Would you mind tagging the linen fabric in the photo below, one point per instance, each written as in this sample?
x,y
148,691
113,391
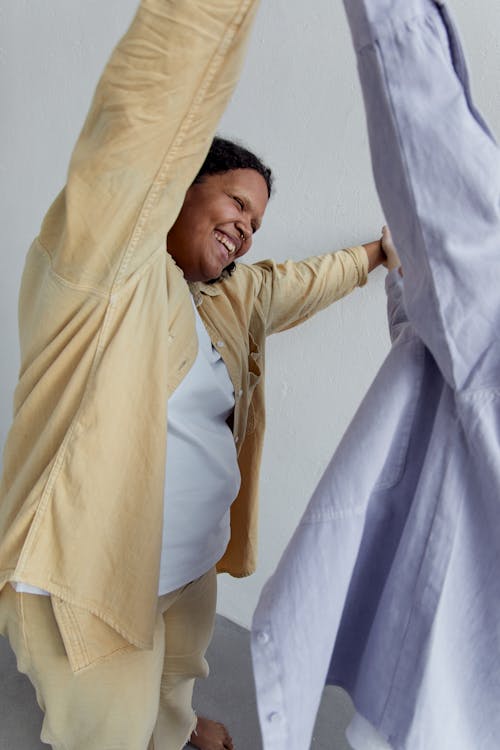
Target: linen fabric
x,y
131,701
389,586
107,333
202,471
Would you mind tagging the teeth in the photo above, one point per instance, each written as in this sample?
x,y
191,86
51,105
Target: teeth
x,y
228,244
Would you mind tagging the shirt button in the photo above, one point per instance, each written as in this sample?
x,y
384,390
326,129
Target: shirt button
x,y
274,718
262,637
170,338
240,393
220,344
236,438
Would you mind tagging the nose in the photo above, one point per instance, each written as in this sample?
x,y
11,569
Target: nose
x,y
245,232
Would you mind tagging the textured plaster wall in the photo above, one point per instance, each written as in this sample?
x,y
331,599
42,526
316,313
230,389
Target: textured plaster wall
x,y
299,105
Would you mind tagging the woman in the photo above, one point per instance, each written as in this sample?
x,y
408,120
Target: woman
x,y
110,546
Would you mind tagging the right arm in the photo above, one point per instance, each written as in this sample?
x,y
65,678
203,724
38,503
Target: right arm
x,y
150,125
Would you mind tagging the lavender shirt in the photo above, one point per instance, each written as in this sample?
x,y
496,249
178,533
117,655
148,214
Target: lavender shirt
x,y
390,585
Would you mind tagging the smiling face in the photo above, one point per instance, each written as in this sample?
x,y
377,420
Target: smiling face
x,y
216,223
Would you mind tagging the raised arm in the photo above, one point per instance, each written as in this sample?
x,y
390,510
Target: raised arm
x,y
149,127
437,170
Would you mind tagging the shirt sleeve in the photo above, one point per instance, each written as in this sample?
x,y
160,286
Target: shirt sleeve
x,y
396,310
437,170
293,291
148,130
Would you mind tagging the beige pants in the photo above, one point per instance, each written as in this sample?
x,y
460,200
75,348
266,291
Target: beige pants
x,y
138,700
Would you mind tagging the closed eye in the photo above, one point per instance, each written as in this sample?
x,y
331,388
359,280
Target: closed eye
x,y
241,203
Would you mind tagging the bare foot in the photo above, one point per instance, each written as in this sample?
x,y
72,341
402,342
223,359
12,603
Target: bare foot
x,y
210,735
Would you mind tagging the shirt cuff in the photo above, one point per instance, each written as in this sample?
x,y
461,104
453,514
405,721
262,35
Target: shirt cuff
x,y
360,259
393,279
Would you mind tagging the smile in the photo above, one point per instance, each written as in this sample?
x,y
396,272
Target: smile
x,y
226,241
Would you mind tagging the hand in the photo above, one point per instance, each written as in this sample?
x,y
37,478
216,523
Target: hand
x,y
391,254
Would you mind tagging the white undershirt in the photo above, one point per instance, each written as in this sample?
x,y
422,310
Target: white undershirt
x,y
25,588
202,476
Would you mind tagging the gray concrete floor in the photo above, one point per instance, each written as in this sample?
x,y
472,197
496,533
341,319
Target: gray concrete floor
x,y
228,695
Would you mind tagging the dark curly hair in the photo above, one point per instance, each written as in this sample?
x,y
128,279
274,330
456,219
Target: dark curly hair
x,y
225,155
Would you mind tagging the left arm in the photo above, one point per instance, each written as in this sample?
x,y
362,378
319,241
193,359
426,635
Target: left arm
x,y
291,292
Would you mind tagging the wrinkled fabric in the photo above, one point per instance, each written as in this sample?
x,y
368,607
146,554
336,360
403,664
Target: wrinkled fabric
x,y
107,333
201,470
121,703
390,586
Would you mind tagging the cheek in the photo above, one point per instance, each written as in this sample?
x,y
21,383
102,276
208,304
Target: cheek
x,y
194,218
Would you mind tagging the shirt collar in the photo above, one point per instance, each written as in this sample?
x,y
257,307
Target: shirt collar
x,y
198,288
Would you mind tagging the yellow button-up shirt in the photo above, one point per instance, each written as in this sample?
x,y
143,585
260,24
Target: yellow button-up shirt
x,y
107,332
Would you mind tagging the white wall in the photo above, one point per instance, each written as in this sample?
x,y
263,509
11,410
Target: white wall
x,y
299,106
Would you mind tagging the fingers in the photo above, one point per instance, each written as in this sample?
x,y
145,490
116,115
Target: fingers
x,y
392,257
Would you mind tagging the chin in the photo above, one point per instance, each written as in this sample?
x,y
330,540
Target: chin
x,y
224,274
211,272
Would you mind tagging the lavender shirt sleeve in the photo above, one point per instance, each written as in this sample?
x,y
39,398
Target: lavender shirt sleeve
x,y
396,310
438,179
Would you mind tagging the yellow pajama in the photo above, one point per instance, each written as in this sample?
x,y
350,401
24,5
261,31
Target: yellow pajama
x,y
129,699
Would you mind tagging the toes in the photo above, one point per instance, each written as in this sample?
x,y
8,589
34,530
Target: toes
x,y
211,735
